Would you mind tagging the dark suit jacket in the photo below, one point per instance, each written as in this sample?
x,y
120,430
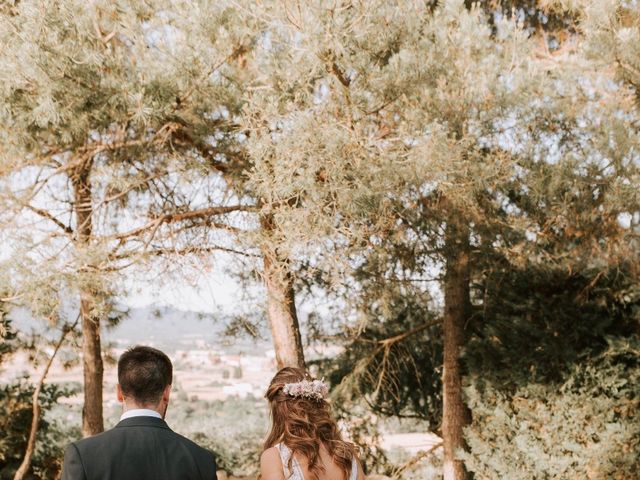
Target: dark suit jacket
x,y
138,448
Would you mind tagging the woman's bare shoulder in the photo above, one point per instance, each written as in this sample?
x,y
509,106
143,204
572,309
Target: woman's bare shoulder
x,y
271,465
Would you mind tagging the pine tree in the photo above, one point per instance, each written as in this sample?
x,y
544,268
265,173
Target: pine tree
x,y
99,99
443,131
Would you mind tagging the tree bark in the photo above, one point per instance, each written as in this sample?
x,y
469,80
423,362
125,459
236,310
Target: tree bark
x,y
456,313
92,420
281,306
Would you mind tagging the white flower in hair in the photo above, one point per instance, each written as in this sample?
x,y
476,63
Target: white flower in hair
x,y
314,389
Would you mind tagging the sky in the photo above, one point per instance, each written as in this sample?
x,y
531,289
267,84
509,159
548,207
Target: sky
x,y
210,291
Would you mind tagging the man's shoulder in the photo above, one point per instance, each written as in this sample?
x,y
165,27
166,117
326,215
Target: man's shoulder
x,y
110,438
201,454
93,441
124,444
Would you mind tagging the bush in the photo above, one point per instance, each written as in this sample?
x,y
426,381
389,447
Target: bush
x,y
587,427
233,429
16,414
15,423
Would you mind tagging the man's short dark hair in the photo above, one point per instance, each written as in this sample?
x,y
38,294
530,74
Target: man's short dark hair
x,y
144,373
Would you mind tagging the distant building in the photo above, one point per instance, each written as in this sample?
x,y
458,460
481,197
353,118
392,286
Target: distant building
x,y
197,357
254,364
241,390
231,360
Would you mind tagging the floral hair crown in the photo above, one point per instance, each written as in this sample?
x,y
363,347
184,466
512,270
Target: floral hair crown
x,y
313,389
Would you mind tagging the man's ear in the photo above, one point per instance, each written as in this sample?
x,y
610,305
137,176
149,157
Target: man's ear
x,y
119,393
166,393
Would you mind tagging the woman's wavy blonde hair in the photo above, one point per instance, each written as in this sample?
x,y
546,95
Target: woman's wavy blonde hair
x,y
303,424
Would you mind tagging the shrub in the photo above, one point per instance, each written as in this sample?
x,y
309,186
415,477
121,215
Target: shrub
x,y
586,427
15,423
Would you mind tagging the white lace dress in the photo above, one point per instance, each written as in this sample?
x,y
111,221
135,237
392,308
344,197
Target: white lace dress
x,y
296,474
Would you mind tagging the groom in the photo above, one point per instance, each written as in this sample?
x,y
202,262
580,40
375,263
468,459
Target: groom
x,y
141,446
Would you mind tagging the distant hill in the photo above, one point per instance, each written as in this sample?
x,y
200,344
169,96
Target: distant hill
x,y
165,327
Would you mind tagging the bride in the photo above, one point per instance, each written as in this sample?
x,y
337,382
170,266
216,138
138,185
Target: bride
x,y
304,442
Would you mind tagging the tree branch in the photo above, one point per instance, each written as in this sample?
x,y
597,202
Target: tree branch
x,y
196,250
340,75
182,216
238,51
421,455
158,252
89,151
43,213
398,338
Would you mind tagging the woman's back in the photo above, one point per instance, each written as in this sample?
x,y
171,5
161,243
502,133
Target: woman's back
x,y
302,428
275,466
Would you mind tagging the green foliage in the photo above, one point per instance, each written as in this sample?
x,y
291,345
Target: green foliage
x,y
394,363
8,337
136,99
587,426
534,324
15,423
233,429
363,428
553,374
16,414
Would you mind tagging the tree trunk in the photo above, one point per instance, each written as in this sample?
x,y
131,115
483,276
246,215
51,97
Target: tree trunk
x,y
456,313
281,307
92,421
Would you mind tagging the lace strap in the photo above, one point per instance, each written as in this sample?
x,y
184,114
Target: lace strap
x,y
354,469
285,455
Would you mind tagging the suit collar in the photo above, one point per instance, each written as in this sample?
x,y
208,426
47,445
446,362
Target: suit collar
x,y
142,422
